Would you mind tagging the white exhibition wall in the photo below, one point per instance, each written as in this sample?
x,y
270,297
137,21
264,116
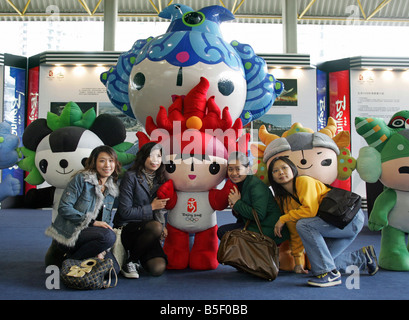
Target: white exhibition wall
x,y
80,84
60,84
376,94
298,103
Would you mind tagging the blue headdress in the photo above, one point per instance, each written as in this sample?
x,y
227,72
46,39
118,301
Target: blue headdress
x,y
192,37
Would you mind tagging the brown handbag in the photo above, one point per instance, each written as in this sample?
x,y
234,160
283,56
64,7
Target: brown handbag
x,y
250,251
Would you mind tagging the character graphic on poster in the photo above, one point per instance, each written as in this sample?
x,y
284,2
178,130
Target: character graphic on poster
x,y
9,156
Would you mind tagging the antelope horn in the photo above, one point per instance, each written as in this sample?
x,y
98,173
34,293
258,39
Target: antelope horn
x,y
330,129
265,136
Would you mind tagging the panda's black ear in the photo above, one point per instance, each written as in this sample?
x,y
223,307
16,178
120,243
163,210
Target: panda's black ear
x,y
34,133
109,129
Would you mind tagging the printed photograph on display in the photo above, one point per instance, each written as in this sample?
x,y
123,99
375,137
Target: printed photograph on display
x,y
275,123
289,97
57,107
131,125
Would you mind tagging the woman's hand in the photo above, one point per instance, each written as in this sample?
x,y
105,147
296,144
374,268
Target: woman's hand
x,y
159,203
102,224
234,196
277,228
164,234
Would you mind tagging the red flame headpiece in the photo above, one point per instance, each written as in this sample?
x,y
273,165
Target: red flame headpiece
x,y
195,112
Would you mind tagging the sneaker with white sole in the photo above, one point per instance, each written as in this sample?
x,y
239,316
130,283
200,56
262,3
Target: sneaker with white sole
x,y
328,279
371,260
129,270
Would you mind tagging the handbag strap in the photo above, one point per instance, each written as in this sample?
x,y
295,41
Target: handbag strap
x,y
107,283
256,218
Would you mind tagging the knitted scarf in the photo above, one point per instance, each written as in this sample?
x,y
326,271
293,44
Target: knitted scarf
x,y
149,178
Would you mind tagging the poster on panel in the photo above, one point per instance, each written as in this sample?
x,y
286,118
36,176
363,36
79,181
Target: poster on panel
x,y
339,109
14,111
376,94
322,107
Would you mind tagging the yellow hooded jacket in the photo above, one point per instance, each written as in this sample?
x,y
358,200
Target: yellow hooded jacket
x,y
310,192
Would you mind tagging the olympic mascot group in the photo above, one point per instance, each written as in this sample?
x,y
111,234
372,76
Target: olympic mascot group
x,y
194,92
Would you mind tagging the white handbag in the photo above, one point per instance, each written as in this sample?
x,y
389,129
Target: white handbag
x,y
118,250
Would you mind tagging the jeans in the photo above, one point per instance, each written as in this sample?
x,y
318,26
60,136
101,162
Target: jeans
x,y
91,242
325,244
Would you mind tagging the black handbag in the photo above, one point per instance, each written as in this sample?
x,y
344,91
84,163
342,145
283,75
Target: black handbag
x,y
88,274
339,207
250,251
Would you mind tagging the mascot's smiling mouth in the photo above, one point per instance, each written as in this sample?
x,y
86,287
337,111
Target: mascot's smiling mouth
x,y
192,176
64,171
404,169
306,168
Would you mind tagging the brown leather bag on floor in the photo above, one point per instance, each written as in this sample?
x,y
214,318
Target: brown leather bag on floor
x,y
250,251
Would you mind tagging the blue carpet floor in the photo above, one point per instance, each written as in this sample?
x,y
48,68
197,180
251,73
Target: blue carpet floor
x,y
23,277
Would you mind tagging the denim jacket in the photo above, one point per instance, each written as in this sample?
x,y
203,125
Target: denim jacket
x,y
80,203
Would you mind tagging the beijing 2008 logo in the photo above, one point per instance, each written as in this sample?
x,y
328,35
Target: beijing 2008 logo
x,y
191,205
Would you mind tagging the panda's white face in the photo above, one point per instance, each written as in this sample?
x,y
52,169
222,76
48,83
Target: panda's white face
x,y
58,168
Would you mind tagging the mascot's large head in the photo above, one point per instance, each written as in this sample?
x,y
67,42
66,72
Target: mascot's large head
x,y
196,138
375,131
157,68
56,148
316,154
387,156
8,146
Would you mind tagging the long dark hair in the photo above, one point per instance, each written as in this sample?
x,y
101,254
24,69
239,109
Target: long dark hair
x,y
144,153
91,162
279,192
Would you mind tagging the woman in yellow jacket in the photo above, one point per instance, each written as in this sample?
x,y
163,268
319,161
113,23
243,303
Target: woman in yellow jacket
x,y
299,198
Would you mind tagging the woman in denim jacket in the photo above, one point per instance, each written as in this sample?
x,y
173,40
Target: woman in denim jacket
x,y
81,228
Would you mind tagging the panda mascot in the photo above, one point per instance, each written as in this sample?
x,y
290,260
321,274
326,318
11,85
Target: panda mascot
x,y
56,148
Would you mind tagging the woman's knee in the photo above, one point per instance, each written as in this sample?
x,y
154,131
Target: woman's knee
x,y
108,238
156,266
301,225
155,228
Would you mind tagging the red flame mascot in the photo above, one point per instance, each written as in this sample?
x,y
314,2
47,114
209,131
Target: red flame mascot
x,y
196,138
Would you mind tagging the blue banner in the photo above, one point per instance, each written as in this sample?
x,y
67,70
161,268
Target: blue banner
x,y
322,100
14,111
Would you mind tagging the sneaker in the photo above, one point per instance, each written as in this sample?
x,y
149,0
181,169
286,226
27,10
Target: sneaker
x,y
328,279
129,270
371,260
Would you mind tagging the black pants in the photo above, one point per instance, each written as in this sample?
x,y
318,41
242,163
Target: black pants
x,y
142,240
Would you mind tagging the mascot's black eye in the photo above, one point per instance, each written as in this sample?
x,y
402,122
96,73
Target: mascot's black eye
x,y
84,161
225,86
170,167
43,165
193,18
138,81
397,122
326,162
214,168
